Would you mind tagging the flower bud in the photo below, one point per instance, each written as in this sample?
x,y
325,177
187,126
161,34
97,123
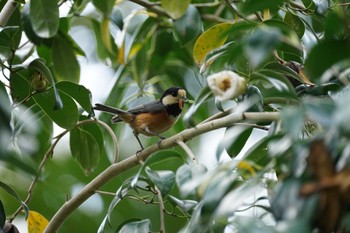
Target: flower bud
x,y
39,82
226,84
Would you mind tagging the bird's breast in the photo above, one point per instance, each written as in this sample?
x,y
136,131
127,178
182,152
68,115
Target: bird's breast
x,y
154,122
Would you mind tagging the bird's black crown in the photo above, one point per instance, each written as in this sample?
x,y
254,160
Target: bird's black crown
x,y
171,91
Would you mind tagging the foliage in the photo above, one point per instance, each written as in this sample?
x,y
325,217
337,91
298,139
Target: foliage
x,y
294,57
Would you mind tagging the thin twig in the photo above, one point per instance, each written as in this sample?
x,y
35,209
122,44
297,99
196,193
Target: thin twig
x,y
161,210
49,154
151,7
187,150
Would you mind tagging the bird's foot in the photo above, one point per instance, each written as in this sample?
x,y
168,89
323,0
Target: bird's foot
x,y
161,138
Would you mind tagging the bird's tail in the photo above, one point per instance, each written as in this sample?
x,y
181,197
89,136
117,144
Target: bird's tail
x,y
108,109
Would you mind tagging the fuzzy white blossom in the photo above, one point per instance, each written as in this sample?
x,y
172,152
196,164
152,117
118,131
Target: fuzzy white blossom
x,y
226,84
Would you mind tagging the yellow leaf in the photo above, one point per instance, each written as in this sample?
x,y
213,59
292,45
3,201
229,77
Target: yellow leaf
x,y
36,222
211,39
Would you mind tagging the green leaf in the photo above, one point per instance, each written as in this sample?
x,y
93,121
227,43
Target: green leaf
x,y
202,96
2,216
188,177
139,37
273,85
293,121
175,9
234,140
44,16
66,117
9,41
324,55
155,158
209,40
164,180
189,26
78,92
39,66
65,64
85,149
14,194
143,226
320,110
260,44
295,23
185,205
259,153
20,85
105,6
21,1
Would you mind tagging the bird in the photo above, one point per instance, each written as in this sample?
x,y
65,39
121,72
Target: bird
x,y
151,119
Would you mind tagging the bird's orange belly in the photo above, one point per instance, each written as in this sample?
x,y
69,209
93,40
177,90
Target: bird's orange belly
x,y
148,123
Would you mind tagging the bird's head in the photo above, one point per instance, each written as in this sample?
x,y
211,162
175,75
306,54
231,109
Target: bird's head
x,y
174,95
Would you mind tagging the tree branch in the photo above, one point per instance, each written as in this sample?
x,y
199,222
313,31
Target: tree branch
x,y
117,168
7,11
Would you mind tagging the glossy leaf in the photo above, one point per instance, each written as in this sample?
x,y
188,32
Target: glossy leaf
x,y
155,158
36,222
66,117
295,23
133,44
14,194
78,92
234,140
85,149
202,96
189,177
260,44
9,40
164,180
38,65
65,64
259,153
251,6
2,216
185,205
336,50
209,40
105,6
101,49
105,34
143,226
189,26
293,121
44,16
175,9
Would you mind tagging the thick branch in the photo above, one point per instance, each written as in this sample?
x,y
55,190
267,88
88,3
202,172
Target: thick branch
x,y
117,168
7,11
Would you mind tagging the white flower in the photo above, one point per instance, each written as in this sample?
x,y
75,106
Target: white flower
x,y
226,84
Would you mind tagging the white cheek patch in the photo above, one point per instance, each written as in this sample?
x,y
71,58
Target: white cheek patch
x,y
169,99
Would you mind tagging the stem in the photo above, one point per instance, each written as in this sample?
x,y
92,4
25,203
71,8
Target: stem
x,y
49,153
187,150
117,168
161,210
7,11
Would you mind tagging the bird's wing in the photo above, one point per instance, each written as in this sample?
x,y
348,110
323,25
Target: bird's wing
x,y
152,107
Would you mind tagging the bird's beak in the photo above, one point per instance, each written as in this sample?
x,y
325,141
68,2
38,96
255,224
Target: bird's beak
x,y
182,101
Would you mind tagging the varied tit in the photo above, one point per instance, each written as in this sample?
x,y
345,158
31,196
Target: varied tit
x,y
153,118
